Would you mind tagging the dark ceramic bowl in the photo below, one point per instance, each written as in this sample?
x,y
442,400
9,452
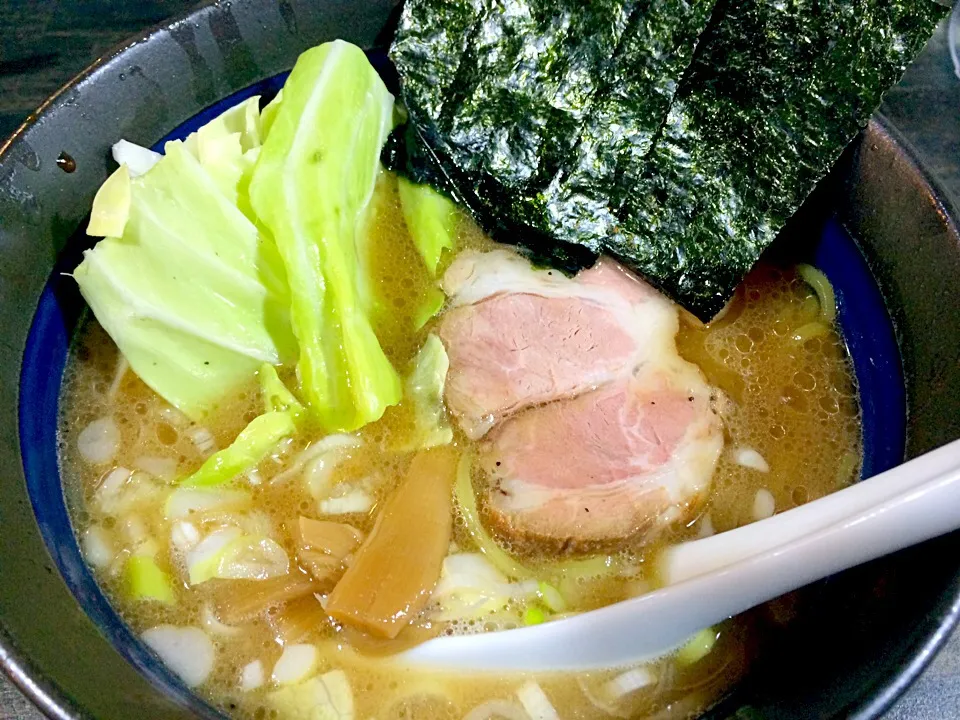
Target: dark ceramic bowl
x,y
860,637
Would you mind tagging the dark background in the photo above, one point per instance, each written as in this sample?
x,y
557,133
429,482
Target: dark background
x,y
44,43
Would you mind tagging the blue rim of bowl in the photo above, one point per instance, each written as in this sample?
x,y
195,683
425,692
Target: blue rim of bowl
x,y
44,693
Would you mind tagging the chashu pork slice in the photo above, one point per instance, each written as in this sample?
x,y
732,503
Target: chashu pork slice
x,y
623,461
518,337
594,429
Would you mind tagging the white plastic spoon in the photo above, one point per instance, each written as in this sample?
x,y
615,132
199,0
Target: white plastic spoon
x,y
709,580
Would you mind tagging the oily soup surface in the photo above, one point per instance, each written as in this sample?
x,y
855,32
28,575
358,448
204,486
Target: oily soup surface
x,y
789,399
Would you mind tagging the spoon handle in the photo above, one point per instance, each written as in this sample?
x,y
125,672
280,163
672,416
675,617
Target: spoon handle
x,y
691,559
901,507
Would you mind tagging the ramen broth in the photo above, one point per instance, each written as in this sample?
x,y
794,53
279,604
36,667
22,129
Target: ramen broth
x,y
791,426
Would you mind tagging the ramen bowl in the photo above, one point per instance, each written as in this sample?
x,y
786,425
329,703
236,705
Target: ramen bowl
x,y
879,226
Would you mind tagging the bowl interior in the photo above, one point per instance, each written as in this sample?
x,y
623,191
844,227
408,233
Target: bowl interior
x,y
863,318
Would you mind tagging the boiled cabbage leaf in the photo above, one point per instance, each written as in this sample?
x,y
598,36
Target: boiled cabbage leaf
x,y
192,293
311,187
111,206
139,161
430,307
245,453
431,219
227,148
269,113
424,392
277,396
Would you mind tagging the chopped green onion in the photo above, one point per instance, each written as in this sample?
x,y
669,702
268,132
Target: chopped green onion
x,y
534,616
551,597
146,581
697,647
185,501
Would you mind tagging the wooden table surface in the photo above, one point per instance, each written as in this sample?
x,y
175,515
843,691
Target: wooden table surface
x,y
43,43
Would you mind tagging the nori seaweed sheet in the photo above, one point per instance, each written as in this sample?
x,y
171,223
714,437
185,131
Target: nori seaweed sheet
x,y
510,128
654,53
430,43
755,125
508,110
677,136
